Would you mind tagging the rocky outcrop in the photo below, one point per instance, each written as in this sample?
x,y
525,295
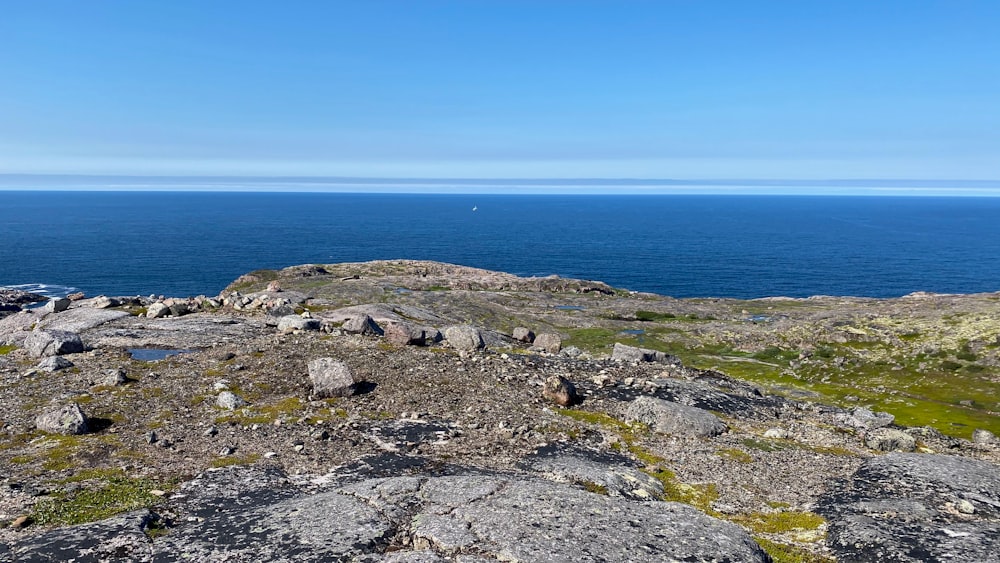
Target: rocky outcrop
x,y
251,514
52,343
916,507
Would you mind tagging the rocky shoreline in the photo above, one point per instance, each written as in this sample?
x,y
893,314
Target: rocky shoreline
x,y
418,411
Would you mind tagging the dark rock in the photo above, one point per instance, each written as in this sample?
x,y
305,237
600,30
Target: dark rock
x,y
674,418
56,305
67,420
403,334
615,473
331,378
896,508
53,342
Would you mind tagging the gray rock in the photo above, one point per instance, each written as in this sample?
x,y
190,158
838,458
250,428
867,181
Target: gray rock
x,y
275,314
56,305
157,310
674,418
115,377
896,508
981,436
53,342
229,400
54,363
178,309
548,342
331,378
362,324
80,319
615,473
67,420
120,538
624,353
522,334
294,322
865,419
464,337
104,302
890,440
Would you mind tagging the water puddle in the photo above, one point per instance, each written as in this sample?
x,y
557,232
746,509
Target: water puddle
x,y
569,307
634,331
154,354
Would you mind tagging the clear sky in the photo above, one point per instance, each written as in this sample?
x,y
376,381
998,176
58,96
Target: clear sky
x,y
502,88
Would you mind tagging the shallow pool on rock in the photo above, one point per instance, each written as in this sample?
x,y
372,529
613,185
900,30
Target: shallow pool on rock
x,y
154,354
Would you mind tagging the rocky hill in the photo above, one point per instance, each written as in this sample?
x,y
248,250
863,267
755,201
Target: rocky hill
x,y
418,411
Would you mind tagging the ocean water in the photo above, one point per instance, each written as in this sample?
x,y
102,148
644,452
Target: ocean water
x,y
184,243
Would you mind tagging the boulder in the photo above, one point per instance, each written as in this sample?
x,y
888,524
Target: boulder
x,y
403,334
331,378
522,334
52,343
295,322
981,436
178,309
54,363
865,419
907,507
68,420
624,353
115,377
890,440
464,337
229,401
276,313
674,418
56,305
559,390
362,324
548,342
157,310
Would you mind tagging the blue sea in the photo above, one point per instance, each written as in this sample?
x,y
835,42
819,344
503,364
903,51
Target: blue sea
x,y
190,243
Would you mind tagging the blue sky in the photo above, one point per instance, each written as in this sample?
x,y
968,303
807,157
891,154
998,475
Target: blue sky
x,y
502,89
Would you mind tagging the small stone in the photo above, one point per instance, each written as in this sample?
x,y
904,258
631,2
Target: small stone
x,y
157,492
229,400
269,455
779,433
274,286
212,431
228,450
559,390
151,437
363,325
982,436
890,440
299,447
965,507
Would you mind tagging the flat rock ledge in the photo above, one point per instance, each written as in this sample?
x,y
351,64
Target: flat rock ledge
x,y
255,514
905,507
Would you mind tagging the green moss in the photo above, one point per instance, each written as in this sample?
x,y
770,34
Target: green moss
x,y
653,316
21,459
437,288
782,553
114,496
7,349
734,454
227,461
596,488
779,522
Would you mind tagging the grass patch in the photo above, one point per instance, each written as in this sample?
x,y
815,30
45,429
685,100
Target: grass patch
x,y
7,349
734,454
116,495
227,461
595,488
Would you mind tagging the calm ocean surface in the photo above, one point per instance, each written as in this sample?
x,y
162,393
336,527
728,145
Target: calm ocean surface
x,y
185,243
